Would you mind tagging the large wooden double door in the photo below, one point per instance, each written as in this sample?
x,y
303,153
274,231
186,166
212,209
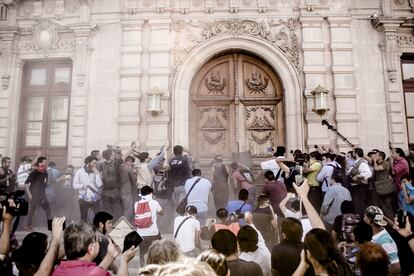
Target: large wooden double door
x,y
44,111
236,105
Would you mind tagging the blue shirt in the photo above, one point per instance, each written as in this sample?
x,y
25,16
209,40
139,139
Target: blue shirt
x,y
235,205
410,192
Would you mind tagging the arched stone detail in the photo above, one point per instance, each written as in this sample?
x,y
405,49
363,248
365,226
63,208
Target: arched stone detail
x,y
200,54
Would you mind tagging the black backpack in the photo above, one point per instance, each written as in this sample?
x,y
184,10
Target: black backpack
x,y
160,182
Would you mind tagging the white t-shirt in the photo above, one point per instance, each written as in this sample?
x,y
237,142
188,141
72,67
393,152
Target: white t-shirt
x,y
199,195
271,165
186,235
155,208
261,257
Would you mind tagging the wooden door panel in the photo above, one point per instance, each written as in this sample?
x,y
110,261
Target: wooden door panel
x,y
44,112
231,116
213,131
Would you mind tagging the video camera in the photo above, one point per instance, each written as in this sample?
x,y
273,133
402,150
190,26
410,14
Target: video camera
x,y
22,206
234,216
301,158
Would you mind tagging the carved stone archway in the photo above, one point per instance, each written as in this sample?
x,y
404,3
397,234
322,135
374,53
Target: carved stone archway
x,y
199,55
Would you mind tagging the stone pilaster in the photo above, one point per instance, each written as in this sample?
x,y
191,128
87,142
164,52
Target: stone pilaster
x,y
130,92
79,96
158,76
8,68
314,69
344,84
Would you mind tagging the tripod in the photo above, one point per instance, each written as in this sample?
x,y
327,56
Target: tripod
x,y
334,130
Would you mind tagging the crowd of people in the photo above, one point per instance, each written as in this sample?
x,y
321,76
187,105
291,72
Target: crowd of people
x,y
322,213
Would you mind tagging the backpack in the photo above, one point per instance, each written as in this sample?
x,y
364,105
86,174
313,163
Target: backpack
x,y
247,174
159,182
336,171
349,221
110,176
143,216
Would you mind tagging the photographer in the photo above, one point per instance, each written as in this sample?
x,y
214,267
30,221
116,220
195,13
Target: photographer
x,y
8,179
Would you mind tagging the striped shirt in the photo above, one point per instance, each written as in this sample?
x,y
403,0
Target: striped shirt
x,y
384,239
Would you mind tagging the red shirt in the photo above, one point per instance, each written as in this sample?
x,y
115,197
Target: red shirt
x,y
401,168
79,268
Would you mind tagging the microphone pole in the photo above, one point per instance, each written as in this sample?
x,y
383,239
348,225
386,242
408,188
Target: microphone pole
x,y
334,130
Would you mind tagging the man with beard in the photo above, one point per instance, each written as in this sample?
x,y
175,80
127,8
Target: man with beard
x,y
103,225
36,191
7,176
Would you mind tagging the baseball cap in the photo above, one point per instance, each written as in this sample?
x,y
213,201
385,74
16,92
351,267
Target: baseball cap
x,y
376,215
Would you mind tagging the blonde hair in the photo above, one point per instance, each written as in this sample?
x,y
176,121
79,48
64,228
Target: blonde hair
x,y
216,260
163,251
190,267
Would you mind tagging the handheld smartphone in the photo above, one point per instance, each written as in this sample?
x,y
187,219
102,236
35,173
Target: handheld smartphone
x,y
269,149
49,225
401,218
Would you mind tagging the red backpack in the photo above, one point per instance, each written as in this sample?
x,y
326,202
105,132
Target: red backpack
x,y
143,216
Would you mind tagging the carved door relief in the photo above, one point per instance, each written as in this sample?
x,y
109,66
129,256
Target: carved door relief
x,y
236,106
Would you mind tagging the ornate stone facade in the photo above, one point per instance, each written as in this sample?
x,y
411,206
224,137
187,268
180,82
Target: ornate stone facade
x,y
122,49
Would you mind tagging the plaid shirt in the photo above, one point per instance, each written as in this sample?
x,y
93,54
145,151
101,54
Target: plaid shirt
x,y
400,169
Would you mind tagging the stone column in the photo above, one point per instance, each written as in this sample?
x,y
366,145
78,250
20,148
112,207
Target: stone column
x,y
315,70
344,84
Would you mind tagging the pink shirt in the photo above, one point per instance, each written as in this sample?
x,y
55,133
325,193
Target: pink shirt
x,y
244,184
79,268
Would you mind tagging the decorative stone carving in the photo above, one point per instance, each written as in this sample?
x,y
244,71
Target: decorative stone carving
x,y
405,39
215,84
37,8
213,122
256,84
399,2
209,6
45,35
261,6
411,2
260,126
7,44
280,33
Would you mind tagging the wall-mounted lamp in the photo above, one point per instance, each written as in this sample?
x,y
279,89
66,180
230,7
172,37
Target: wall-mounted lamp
x,y
154,101
320,100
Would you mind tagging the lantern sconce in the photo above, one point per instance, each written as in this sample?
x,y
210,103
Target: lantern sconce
x,y
154,101
320,100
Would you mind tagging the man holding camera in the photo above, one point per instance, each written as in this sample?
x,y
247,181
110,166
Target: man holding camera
x,y
7,176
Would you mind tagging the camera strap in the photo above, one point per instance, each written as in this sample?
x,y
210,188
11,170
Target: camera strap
x,y
179,226
15,224
238,211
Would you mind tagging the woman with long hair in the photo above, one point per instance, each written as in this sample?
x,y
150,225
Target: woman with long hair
x,y
321,253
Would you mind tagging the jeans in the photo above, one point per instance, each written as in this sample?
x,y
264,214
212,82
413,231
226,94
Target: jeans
x,y
165,222
84,207
111,203
359,194
33,206
127,207
179,194
202,218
